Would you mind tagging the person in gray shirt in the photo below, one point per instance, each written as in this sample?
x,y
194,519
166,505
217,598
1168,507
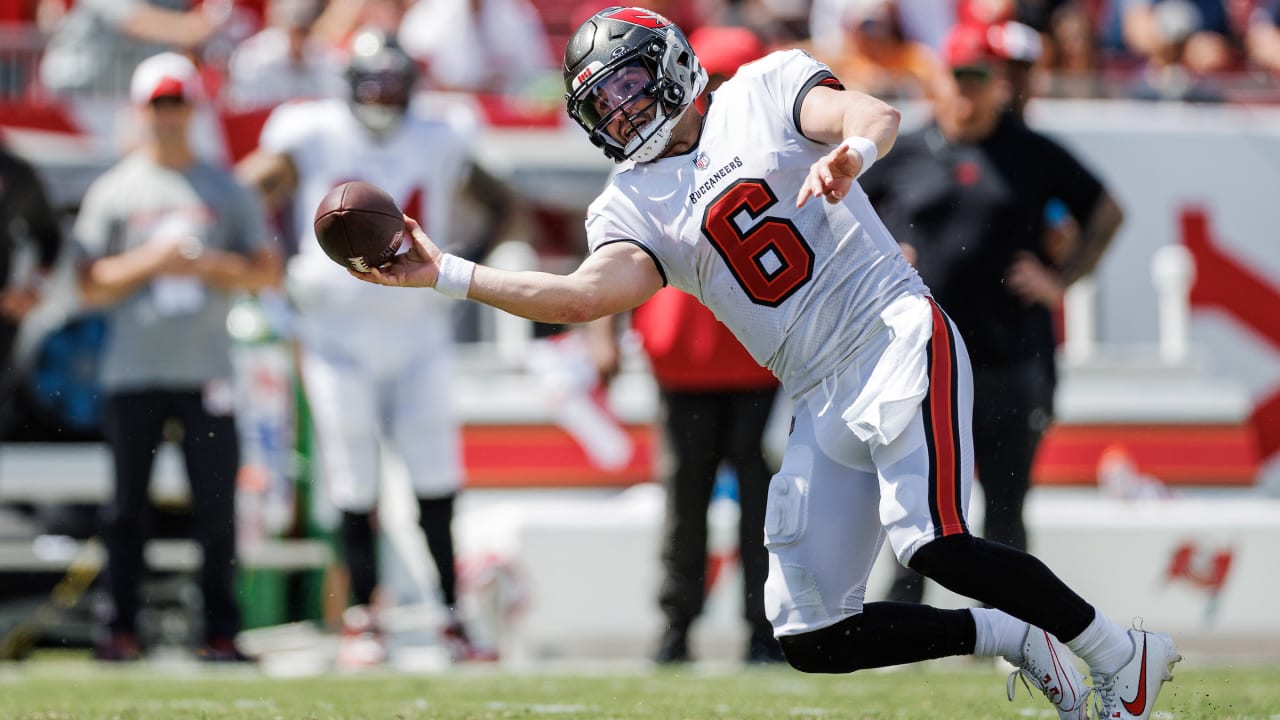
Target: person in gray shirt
x,y
164,240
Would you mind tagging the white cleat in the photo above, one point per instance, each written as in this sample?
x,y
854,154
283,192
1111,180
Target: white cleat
x,y
361,645
1048,666
1130,693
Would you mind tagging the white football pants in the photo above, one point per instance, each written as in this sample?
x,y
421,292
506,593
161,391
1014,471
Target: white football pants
x,y
838,496
369,382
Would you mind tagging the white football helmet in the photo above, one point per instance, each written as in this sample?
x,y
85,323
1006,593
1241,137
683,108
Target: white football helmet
x,y
629,76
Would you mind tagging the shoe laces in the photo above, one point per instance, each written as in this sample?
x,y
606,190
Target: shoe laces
x,y
1100,698
1029,678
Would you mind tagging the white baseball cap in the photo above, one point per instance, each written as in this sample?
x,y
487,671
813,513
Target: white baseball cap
x,y
165,75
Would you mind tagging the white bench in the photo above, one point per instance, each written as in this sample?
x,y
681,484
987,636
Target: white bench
x,y
55,473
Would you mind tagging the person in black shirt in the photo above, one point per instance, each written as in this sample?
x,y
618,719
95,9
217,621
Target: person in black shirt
x,y
25,217
966,197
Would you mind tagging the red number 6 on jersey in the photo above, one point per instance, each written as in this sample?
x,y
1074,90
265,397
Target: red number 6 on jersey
x,y
770,260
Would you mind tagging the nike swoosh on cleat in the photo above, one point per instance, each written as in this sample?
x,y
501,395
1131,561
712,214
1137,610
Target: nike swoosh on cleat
x,y
1139,701
1057,666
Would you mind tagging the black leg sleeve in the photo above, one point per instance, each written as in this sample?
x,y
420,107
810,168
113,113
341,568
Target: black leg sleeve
x,y
435,515
884,634
1006,579
361,555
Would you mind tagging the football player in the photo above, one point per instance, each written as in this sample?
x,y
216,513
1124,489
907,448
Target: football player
x,y
753,207
365,378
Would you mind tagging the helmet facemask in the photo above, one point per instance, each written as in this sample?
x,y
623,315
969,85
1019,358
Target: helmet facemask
x,y
379,100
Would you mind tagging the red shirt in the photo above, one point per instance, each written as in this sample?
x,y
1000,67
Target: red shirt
x,y
689,349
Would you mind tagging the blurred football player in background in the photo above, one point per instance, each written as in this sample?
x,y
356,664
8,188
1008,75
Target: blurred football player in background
x,y
763,221
368,380
164,239
716,403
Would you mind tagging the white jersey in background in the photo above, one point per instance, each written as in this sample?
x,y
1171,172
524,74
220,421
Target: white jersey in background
x,y
421,164
377,361
721,224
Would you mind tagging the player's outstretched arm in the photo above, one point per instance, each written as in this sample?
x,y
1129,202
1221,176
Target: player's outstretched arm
x,y
864,127
616,278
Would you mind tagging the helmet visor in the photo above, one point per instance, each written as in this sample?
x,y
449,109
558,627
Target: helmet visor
x,y
382,88
619,104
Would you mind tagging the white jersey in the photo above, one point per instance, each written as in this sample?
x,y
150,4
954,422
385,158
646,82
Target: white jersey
x,y
798,287
421,164
378,360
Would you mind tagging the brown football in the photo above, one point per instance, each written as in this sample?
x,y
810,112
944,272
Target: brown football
x,y
359,226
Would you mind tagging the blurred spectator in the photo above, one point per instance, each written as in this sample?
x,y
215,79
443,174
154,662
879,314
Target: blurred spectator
x,y
1192,33
98,43
1064,42
342,19
923,21
966,197
1262,40
26,222
1181,45
283,62
1073,45
489,46
778,23
688,16
1179,51
716,403
723,49
367,380
877,57
165,239
1020,47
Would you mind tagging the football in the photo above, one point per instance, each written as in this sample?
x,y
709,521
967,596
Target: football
x,y
359,226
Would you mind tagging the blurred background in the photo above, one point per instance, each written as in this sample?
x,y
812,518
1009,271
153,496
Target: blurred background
x,y
1160,474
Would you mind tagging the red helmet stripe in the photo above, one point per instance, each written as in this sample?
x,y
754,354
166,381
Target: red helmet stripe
x,y
638,16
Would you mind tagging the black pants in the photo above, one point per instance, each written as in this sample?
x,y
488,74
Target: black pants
x,y
133,425
704,429
8,372
1012,407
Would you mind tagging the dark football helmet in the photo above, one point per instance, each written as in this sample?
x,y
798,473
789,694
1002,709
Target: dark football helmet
x,y
382,78
629,75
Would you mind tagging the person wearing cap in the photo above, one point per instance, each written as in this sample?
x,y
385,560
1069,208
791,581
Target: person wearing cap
x,y
965,196
716,404
164,239
1020,47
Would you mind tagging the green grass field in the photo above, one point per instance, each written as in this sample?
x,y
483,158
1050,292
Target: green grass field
x,y
74,689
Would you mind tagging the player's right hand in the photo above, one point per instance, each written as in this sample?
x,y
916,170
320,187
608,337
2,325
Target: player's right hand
x,y
419,267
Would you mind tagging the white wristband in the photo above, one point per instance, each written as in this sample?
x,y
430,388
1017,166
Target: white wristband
x,y
866,148
455,276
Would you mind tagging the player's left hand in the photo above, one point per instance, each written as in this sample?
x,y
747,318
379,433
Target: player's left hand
x,y
419,267
831,176
1033,282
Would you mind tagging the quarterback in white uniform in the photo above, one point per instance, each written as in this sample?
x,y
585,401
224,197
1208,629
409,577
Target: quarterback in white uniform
x,y
753,208
366,377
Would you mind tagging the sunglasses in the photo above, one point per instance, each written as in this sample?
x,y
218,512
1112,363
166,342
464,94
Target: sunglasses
x,y
168,101
972,72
